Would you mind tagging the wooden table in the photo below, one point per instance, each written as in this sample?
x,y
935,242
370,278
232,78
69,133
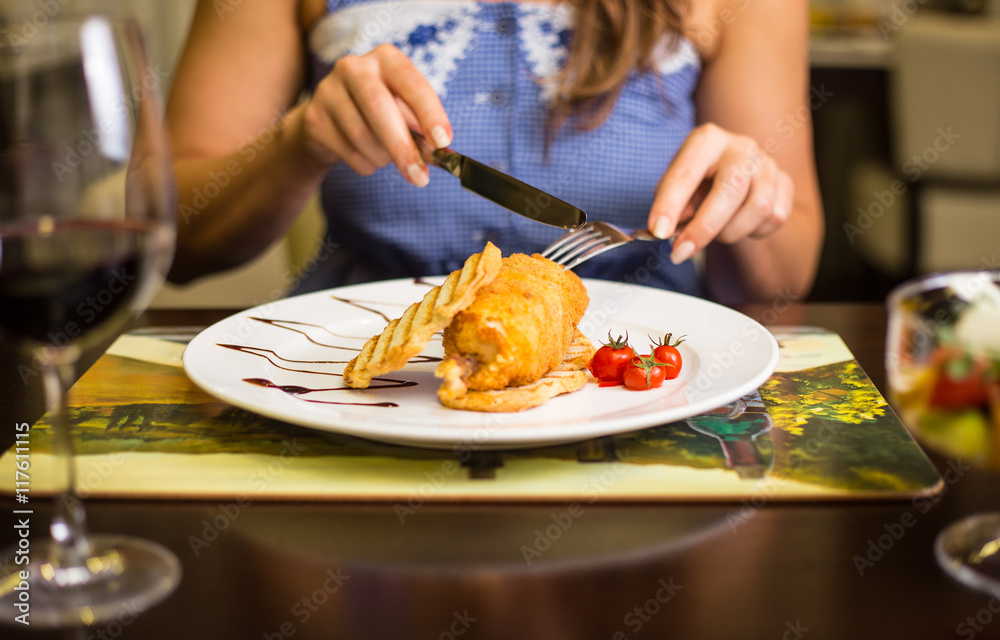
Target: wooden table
x,y
831,570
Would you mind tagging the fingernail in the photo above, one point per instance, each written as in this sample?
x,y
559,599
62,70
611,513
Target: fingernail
x,y
662,228
440,136
682,252
417,175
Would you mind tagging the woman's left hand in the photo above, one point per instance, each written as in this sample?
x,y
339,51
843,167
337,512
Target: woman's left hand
x,y
721,186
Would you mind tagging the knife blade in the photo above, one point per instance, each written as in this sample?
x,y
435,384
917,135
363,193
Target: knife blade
x,y
502,189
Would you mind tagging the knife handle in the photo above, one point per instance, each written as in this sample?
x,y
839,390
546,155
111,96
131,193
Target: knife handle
x,y
444,158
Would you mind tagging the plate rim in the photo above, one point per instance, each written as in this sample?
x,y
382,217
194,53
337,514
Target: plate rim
x,y
405,435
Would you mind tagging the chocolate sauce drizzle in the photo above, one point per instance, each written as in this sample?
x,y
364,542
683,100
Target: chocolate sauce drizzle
x,y
355,303
281,324
297,391
262,352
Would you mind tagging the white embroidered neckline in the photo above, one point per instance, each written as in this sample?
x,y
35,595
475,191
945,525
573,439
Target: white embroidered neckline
x,y
438,34
541,43
360,28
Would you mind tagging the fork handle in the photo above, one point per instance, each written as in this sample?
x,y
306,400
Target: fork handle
x,y
645,234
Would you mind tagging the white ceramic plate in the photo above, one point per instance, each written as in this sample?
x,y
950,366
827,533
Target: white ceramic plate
x,y
304,341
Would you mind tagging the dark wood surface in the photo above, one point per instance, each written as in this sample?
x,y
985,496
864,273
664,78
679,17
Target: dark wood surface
x,y
619,571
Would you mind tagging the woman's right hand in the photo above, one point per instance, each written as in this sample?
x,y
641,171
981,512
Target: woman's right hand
x,y
361,113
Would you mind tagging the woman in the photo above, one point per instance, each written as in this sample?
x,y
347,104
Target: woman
x,y
685,117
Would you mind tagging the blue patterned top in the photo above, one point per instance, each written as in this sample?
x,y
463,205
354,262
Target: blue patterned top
x,y
492,63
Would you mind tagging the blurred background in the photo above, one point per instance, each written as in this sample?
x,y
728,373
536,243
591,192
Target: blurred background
x,y
907,140
906,107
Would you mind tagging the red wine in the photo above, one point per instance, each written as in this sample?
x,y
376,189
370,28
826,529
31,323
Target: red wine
x,y
72,280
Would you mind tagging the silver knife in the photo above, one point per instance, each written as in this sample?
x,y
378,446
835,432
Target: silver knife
x,y
506,191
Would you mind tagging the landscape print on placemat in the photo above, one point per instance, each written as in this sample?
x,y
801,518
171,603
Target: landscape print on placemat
x,y
826,426
831,422
124,404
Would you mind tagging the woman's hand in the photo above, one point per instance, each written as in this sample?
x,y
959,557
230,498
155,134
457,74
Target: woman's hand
x,y
362,111
721,186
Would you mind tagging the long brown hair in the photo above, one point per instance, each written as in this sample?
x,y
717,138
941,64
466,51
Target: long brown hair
x,y
611,38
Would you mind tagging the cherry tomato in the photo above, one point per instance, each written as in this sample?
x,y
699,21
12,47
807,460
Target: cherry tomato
x,y
643,372
961,382
668,354
608,363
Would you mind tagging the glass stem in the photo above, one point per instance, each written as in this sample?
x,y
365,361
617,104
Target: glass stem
x,y
68,527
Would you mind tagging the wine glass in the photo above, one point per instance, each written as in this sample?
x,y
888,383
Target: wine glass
x,y
86,235
943,367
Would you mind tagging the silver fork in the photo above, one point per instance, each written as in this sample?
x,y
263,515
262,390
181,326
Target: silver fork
x,y
593,238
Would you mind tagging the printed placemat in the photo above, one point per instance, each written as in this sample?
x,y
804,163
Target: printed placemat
x,y
818,429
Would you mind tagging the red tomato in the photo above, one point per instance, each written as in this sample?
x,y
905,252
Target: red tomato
x,y
608,363
666,353
960,383
643,373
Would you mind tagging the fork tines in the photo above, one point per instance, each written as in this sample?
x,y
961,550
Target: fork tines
x,y
584,243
